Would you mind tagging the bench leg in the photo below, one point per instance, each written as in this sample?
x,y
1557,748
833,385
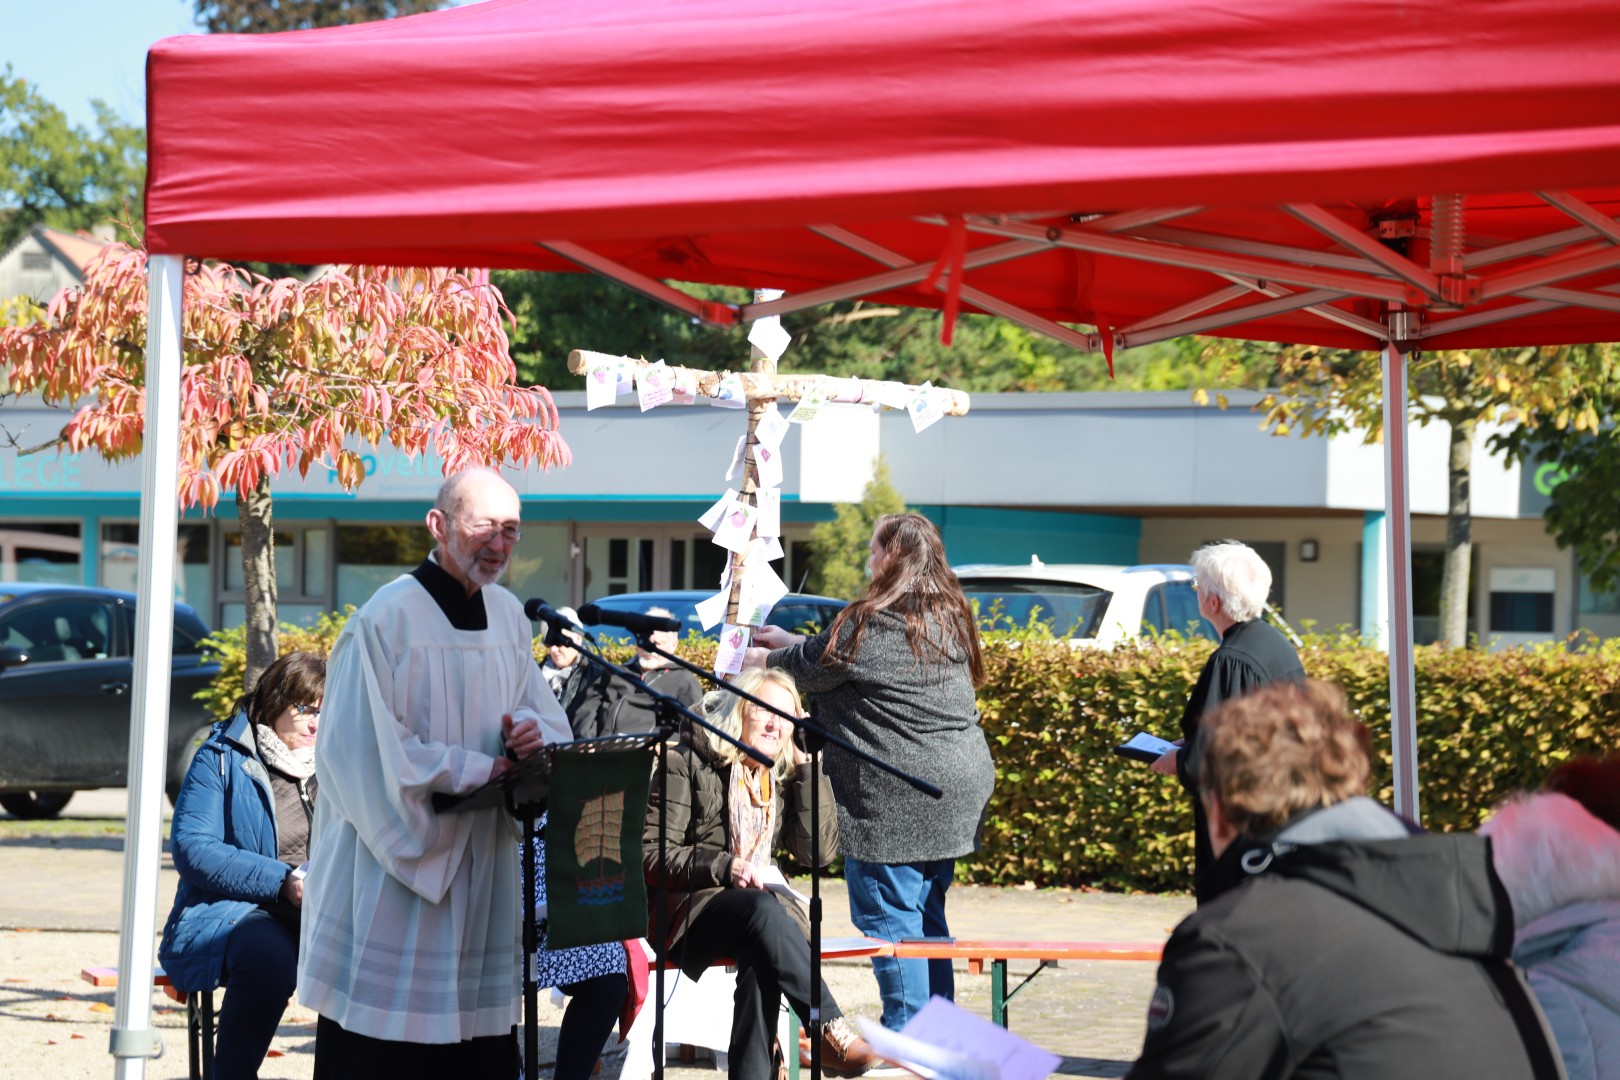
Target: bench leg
x,y
998,992
200,1034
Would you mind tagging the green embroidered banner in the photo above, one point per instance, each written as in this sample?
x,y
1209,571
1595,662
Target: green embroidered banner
x,y
595,891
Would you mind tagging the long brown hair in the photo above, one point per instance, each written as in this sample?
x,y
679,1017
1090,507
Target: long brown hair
x,y
916,583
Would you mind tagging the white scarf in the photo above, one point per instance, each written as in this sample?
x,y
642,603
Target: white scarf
x,y
298,764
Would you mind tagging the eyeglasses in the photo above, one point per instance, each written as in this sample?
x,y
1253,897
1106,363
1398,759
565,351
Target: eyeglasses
x,y
481,531
307,710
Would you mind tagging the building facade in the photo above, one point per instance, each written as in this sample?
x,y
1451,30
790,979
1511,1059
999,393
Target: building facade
x,y
1098,478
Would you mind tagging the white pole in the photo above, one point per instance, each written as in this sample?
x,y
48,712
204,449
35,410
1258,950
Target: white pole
x,y
1398,564
134,1039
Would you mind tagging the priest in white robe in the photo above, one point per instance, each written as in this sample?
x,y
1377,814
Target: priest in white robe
x,y
411,933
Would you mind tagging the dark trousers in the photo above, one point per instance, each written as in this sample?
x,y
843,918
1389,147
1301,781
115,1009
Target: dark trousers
x,y
261,970
593,1007
773,959
343,1055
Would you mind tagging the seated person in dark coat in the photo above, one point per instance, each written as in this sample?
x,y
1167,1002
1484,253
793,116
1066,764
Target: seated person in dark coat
x,y
1345,944
1232,585
613,707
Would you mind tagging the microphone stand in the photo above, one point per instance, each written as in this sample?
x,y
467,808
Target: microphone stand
x,y
667,712
816,736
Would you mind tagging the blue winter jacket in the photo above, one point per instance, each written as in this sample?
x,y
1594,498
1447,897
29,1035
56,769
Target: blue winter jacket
x,y
224,843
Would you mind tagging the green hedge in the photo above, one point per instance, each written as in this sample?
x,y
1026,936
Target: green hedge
x,y
1066,811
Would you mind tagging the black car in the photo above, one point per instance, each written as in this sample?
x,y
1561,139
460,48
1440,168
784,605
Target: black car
x,y
794,611
66,676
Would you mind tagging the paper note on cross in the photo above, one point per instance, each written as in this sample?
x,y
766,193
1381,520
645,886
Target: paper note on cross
x,y
748,523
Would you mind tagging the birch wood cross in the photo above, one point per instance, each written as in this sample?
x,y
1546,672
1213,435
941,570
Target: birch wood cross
x,y
764,385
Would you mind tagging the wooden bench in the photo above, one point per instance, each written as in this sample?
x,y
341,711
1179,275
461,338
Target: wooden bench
x,y
199,1016
995,954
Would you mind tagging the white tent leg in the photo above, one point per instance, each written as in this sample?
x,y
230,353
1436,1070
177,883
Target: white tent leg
x,y
134,1039
1398,562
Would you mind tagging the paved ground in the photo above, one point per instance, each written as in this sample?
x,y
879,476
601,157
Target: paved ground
x,y
59,911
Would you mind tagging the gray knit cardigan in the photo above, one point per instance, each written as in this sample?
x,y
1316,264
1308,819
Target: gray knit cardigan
x,y
921,717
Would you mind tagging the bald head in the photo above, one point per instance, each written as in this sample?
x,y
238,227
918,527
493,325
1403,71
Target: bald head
x,y
475,522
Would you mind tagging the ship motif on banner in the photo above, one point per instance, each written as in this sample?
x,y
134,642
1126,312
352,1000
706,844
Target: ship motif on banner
x,y
596,846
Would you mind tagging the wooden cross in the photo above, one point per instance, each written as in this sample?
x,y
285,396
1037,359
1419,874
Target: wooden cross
x,y
763,386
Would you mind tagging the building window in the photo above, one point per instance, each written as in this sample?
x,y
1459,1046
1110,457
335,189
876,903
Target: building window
x,y
302,588
36,262
1598,603
370,556
193,581
50,552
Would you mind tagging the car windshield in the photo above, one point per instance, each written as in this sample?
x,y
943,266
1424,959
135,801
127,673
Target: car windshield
x,y
1067,610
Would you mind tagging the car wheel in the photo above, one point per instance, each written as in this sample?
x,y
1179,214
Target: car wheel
x,y
35,805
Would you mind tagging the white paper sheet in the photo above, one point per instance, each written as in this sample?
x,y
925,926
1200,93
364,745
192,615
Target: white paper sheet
x,y
768,462
712,612
772,428
737,457
762,589
601,386
685,387
924,408
728,658
655,386
776,883
815,396
768,336
711,517
946,1041
736,526
769,503
773,548
1151,744
730,393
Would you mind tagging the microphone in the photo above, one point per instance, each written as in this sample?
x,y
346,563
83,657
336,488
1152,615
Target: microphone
x,y
633,621
539,611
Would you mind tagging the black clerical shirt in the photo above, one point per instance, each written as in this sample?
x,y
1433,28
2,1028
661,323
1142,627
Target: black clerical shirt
x,y
464,612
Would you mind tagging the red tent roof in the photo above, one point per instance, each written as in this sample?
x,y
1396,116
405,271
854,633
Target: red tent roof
x,y
1146,167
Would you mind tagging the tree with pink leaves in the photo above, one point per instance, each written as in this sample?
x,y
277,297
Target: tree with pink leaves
x,y
285,374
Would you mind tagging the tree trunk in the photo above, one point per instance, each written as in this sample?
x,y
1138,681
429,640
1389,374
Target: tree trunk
x,y
1459,538
258,579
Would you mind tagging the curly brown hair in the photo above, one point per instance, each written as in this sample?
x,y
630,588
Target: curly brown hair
x,y
1286,748
916,583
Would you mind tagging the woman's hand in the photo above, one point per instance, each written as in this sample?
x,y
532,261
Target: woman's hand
x,y
754,658
292,890
745,875
774,637
1165,764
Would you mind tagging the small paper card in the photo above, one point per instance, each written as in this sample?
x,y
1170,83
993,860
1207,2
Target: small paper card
x,y
736,526
773,548
815,396
1145,747
728,658
894,395
712,612
771,429
730,393
946,1041
924,408
711,517
725,578
768,336
761,591
769,504
777,883
737,457
684,390
768,464
601,386
655,386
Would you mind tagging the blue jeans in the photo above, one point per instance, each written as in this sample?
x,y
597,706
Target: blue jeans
x,y
891,901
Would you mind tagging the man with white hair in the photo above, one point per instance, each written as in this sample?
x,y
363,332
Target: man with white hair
x,y
410,922
1233,583
613,707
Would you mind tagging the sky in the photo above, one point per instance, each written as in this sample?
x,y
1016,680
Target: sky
x,y
78,50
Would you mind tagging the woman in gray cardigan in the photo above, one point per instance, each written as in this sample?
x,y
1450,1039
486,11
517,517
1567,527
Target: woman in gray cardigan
x,y
895,675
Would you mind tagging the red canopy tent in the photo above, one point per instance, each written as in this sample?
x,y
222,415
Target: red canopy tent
x,y
1380,174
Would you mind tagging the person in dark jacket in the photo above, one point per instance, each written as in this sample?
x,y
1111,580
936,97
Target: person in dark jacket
x,y
1232,583
1346,944
895,675
240,833
726,817
608,706
566,673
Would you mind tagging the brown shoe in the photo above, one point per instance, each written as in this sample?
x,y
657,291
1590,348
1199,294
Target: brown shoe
x,y
843,1051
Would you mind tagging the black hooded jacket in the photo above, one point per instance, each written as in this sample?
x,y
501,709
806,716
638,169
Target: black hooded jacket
x,y
1346,948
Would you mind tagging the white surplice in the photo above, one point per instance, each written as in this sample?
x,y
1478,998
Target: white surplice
x,y
410,928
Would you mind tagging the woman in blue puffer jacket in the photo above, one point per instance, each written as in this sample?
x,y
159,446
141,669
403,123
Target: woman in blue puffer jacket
x,y
240,834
